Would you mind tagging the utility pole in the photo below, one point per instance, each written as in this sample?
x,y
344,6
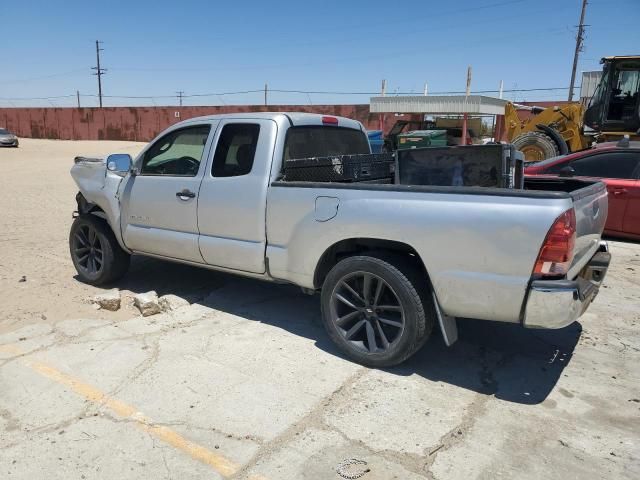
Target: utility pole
x,y
99,71
579,40
383,92
465,115
266,89
180,94
78,97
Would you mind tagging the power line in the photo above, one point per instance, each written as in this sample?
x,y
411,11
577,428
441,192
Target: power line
x,y
302,92
43,77
457,92
39,98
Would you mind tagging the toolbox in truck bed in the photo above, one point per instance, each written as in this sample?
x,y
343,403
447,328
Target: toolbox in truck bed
x,y
341,168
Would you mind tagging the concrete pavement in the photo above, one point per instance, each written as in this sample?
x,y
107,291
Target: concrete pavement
x,y
244,384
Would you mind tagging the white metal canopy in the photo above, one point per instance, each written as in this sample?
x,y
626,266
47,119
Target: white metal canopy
x,y
444,104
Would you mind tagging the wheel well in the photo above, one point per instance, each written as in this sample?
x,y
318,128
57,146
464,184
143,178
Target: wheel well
x,y
84,206
364,246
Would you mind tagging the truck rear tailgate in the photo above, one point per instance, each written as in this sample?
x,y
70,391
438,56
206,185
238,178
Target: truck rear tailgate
x,y
591,206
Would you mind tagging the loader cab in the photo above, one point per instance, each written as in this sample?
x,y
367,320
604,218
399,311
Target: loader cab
x,y
615,105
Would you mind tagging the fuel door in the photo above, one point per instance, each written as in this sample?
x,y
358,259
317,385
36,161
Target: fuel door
x,y
326,208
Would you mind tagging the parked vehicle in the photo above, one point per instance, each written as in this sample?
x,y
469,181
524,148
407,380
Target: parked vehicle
x,y
8,139
617,164
391,261
612,113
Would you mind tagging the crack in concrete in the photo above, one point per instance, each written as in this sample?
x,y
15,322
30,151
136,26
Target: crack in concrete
x,y
475,410
309,420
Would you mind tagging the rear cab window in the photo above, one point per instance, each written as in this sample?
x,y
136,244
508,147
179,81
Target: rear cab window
x,y
236,150
322,141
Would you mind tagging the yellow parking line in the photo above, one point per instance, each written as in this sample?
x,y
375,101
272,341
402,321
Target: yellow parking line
x,y
219,463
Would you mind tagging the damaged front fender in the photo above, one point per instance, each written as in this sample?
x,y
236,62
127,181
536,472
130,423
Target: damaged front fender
x,y
99,191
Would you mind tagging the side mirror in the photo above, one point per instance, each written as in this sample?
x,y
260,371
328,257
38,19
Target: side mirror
x,y
567,171
119,163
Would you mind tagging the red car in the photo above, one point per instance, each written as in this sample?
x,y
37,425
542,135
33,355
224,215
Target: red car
x,y
617,164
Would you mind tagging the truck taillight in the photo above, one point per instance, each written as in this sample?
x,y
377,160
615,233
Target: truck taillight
x,y
556,253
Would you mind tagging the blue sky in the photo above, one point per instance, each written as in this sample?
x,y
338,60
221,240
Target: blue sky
x,y
154,48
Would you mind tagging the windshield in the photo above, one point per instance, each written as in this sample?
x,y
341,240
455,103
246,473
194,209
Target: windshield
x,y
4,132
321,141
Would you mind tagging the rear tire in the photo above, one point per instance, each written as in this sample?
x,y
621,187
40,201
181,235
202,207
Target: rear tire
x,y
374,312
536,146
95,252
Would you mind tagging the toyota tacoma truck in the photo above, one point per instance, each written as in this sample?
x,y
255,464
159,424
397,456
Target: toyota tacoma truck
x,y
390,261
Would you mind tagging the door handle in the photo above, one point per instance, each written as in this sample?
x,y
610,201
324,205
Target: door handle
x,y
619,191
185,194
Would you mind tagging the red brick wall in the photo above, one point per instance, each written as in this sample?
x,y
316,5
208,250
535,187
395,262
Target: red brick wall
x,y
144,123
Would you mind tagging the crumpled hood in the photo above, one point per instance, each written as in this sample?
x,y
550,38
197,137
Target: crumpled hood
x,y
90,159
89,173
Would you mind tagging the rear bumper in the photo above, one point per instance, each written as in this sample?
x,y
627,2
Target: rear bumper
x,y
558,303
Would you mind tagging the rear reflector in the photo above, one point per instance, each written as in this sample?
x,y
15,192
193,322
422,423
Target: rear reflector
x,y
556,253
329,121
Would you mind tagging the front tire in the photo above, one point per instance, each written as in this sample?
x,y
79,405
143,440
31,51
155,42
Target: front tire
x,y
374,313
95,252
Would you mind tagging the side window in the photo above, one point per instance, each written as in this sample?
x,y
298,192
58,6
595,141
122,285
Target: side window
x,y
236,150
557,167
178,153
607,165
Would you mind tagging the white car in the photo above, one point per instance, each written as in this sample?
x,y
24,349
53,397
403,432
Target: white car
x,y
7,139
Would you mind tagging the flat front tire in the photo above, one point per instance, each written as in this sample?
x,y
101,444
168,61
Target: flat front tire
x,y
376,312
95,252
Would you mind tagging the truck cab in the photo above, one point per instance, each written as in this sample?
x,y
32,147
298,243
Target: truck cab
x,y
180,197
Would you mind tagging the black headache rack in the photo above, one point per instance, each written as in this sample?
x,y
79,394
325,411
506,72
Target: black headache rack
x,y
495,165
368,167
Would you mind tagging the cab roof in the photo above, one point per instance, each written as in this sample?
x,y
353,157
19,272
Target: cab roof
x,y
293,118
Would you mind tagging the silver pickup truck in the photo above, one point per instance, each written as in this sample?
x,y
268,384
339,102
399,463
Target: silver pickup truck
x,y
391,261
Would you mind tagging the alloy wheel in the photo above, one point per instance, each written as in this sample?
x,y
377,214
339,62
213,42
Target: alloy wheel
x,y
87,249
367,312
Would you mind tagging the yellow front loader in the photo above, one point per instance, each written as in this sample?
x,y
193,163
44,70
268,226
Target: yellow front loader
x,y
550,132
612,113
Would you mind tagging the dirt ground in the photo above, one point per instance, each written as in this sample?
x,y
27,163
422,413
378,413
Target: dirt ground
x,y
243,383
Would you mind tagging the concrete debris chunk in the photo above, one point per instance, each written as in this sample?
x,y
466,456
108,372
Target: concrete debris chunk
x,y
147,303
171,302
109,300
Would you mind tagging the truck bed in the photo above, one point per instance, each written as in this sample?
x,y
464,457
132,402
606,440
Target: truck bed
x,y
478,244
533,188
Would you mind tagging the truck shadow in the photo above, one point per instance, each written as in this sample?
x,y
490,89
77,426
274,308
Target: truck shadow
x,y
512,363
